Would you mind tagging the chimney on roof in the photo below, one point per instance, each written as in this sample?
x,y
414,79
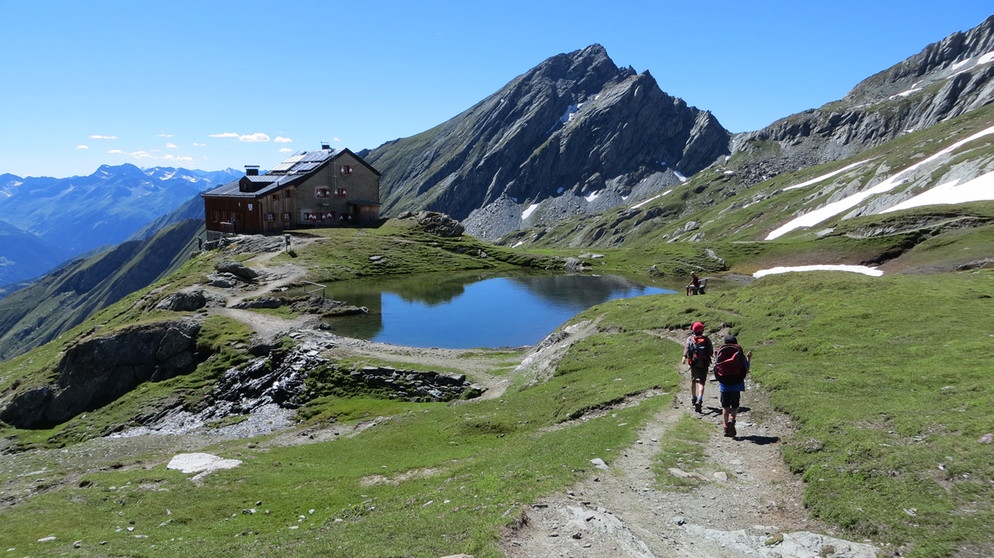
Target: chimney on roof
x,y
251,170
325,146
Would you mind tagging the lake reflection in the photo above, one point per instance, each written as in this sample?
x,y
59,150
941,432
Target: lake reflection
x,y
473,310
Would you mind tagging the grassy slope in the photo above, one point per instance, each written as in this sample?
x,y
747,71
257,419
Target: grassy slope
x,y
887,378
891,396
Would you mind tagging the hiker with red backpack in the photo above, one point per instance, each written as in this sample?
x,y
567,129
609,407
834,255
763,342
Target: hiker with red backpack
x,y
698,352
731,365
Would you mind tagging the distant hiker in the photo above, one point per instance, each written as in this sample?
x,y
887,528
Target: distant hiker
x,y
695,284
286,240
731,365
698,352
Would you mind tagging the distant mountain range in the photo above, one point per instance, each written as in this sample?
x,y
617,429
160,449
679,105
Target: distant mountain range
x,y
25,256
49,220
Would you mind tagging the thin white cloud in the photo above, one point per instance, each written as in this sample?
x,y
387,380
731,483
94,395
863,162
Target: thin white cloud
x,y
81,146
257,137
100,137
285,150
196,144
165,135
170,145
336,140
179,158
281,139
140,155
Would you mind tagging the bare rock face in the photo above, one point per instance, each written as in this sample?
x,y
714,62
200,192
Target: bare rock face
x,y
99,370
945,80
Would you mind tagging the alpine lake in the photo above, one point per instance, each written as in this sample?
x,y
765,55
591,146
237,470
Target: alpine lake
x,y
471,310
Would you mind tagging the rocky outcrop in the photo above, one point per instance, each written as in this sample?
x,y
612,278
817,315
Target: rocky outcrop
x,y
417,386
278,378
433,222
945,80
574,127
270,387
99,370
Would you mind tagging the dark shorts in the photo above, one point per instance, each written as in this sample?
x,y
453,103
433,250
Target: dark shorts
x,y
699,374
730,399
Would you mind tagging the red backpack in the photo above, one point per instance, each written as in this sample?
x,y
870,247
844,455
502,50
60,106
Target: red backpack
x,y
730,364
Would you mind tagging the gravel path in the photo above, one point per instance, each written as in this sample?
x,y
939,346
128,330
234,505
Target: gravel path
x,y
746,503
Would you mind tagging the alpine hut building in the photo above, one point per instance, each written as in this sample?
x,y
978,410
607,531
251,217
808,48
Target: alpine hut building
x,y
323,188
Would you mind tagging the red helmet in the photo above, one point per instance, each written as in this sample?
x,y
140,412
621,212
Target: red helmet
x,y
698,327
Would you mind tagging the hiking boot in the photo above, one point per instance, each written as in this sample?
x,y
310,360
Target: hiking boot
x,y
697,407
731,427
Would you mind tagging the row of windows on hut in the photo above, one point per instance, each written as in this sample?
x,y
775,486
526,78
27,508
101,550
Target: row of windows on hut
x,y
319,216
326,192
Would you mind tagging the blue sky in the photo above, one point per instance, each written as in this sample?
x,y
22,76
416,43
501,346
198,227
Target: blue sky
x,y
211,84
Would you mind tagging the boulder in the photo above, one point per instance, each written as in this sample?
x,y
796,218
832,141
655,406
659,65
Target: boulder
x,y
237,269
184,301
438,224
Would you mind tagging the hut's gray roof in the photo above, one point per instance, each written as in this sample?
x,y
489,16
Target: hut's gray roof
x,y
296,166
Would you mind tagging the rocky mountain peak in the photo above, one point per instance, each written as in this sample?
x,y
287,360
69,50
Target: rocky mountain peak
x,y
571,127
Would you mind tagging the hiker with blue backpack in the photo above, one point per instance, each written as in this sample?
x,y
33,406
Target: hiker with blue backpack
x,y
698,352
731,365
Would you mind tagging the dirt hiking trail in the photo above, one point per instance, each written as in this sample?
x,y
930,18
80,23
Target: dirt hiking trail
x,y
746,503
